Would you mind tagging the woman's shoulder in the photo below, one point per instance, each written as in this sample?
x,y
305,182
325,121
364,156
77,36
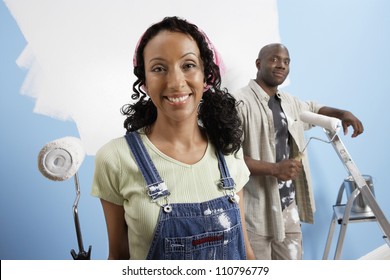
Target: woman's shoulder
x,y
235,156
113,146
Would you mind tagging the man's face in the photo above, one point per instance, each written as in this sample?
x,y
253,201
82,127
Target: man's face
x,y
274,66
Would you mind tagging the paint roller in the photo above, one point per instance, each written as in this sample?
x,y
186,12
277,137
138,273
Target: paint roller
x,y
328,123
60,160
331,124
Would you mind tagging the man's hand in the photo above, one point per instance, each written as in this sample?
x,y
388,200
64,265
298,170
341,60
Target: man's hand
x,y
287,169
348,119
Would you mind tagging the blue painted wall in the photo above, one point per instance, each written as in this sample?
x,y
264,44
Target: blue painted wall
x,y
340,57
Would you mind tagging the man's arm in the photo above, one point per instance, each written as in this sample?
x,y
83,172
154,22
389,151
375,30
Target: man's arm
x,y
283,170
346,117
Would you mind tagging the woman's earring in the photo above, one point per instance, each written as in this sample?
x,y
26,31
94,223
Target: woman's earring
x,y
200,123
200,104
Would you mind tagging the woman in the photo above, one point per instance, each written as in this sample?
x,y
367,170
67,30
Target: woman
x,y
168,188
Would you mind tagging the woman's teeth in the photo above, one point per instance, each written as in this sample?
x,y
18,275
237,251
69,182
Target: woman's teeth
x,y
177,99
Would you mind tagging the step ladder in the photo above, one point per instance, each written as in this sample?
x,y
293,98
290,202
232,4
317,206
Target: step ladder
x,y
342,213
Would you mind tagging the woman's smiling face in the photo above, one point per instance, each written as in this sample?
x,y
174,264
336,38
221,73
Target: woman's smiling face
x,y
174,75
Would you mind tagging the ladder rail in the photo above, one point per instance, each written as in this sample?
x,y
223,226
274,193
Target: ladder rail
x,y
361,183
344,224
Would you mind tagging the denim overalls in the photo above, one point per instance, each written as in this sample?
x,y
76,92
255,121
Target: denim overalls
x,y
209,230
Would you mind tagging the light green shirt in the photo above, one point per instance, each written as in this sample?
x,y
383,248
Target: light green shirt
x,y
117,179
262,200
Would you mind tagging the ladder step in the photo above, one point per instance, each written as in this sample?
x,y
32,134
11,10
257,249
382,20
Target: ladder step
x,y
339,211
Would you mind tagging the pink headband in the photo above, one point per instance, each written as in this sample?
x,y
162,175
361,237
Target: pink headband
x,y
216,56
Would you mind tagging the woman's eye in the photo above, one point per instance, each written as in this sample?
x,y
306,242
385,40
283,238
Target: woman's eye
x,y
157,69
189,65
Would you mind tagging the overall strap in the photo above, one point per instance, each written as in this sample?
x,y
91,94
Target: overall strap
x,y
227,182
155,185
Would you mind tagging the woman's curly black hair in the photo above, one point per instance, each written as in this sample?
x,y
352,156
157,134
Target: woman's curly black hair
x,y
217,113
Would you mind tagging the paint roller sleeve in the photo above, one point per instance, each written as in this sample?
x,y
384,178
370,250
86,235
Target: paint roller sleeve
x,y
329,123
60,159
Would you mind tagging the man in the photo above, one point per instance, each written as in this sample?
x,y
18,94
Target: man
x,y
279,194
